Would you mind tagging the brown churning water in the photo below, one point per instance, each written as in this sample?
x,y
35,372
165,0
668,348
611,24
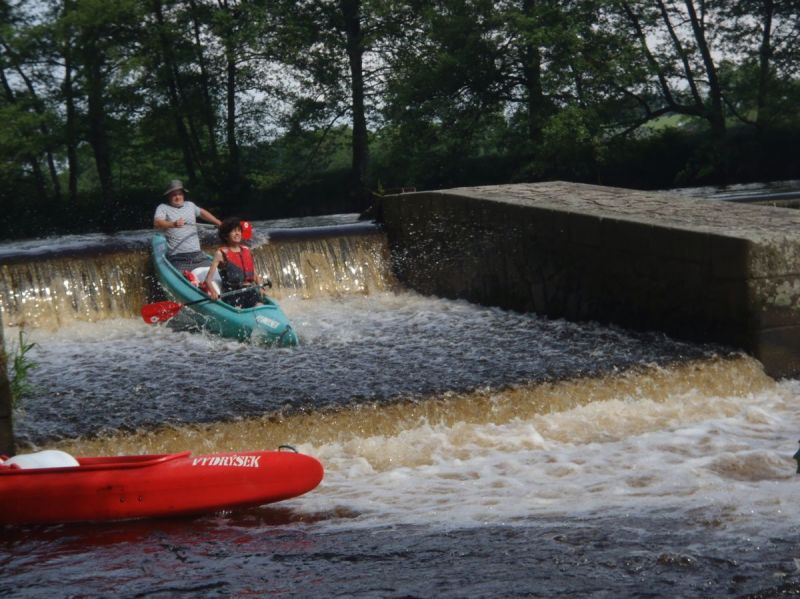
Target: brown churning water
x,y
356,425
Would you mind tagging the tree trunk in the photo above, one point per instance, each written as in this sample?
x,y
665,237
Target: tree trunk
x,y
208,106
45,131
698,106
38,177
233,175
764,57
687,67
98,135
715,113
38,107
171,74
230,119
71,129
355,52
532,73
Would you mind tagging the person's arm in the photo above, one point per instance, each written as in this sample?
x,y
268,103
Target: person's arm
x,y
212,270
207,216
262,285
160,223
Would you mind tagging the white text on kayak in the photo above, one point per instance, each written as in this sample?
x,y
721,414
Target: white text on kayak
x,y
241,461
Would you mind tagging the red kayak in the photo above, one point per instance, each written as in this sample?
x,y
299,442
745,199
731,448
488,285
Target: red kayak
x,y
116,488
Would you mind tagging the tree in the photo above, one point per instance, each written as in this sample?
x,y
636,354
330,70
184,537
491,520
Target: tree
x,y
99,39
676,44
22,52
351,24
473,79
332,48
169,79
761,83
64,43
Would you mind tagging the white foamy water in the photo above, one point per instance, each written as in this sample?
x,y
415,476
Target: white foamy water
x,y
722,459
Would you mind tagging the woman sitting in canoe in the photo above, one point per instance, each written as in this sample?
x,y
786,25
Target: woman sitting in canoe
x,y
234,262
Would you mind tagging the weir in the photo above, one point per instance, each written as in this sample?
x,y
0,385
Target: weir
x,y
327,261
49,289
693,268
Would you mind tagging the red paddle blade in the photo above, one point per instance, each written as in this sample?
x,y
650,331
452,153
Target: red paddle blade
x,y
247,230
158,312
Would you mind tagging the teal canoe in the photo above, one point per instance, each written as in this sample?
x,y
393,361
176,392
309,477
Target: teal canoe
x,y
265,324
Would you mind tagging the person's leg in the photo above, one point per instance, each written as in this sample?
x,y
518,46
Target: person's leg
x,y
180,261
200,259
189,260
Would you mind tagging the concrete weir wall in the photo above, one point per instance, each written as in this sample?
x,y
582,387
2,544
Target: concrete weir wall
x,y
696,269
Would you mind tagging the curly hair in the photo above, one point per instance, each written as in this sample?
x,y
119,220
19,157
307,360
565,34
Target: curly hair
x,y
228,225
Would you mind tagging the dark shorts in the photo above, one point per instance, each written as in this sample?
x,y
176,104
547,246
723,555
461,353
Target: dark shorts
x,y
189,260
245,299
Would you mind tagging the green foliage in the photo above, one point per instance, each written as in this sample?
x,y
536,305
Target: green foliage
x,y
20,367
254,104
568,147
653,161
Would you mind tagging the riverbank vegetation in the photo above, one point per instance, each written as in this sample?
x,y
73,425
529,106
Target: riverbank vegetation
x,y
21,365
293,107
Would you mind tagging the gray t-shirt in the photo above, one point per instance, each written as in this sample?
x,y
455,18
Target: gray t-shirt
x,y
181,240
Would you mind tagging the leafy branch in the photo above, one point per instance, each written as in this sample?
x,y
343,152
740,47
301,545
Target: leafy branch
x,y
21,366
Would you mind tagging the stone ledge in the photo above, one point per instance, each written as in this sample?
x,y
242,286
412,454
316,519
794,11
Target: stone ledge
x,y
697,269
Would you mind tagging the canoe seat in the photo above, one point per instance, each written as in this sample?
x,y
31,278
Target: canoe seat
x,y
200,274
49,458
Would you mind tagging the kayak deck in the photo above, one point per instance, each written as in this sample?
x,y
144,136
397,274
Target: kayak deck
x,y
125,487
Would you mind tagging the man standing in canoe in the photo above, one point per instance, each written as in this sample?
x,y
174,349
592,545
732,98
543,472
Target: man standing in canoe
x,y
177,220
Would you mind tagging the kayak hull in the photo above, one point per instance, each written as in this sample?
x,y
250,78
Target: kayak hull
x,y
127,487
265,324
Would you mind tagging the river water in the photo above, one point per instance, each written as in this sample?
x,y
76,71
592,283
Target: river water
x,y
469,451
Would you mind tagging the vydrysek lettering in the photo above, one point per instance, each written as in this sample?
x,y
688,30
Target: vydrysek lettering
x,y
236,461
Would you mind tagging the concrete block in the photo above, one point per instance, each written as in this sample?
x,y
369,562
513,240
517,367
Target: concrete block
x,y
700,269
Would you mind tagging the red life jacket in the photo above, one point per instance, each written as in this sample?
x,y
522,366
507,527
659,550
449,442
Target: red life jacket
x,y
237,268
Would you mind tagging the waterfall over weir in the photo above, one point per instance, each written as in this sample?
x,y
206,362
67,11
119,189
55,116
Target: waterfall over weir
x,y
48,293
93,281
